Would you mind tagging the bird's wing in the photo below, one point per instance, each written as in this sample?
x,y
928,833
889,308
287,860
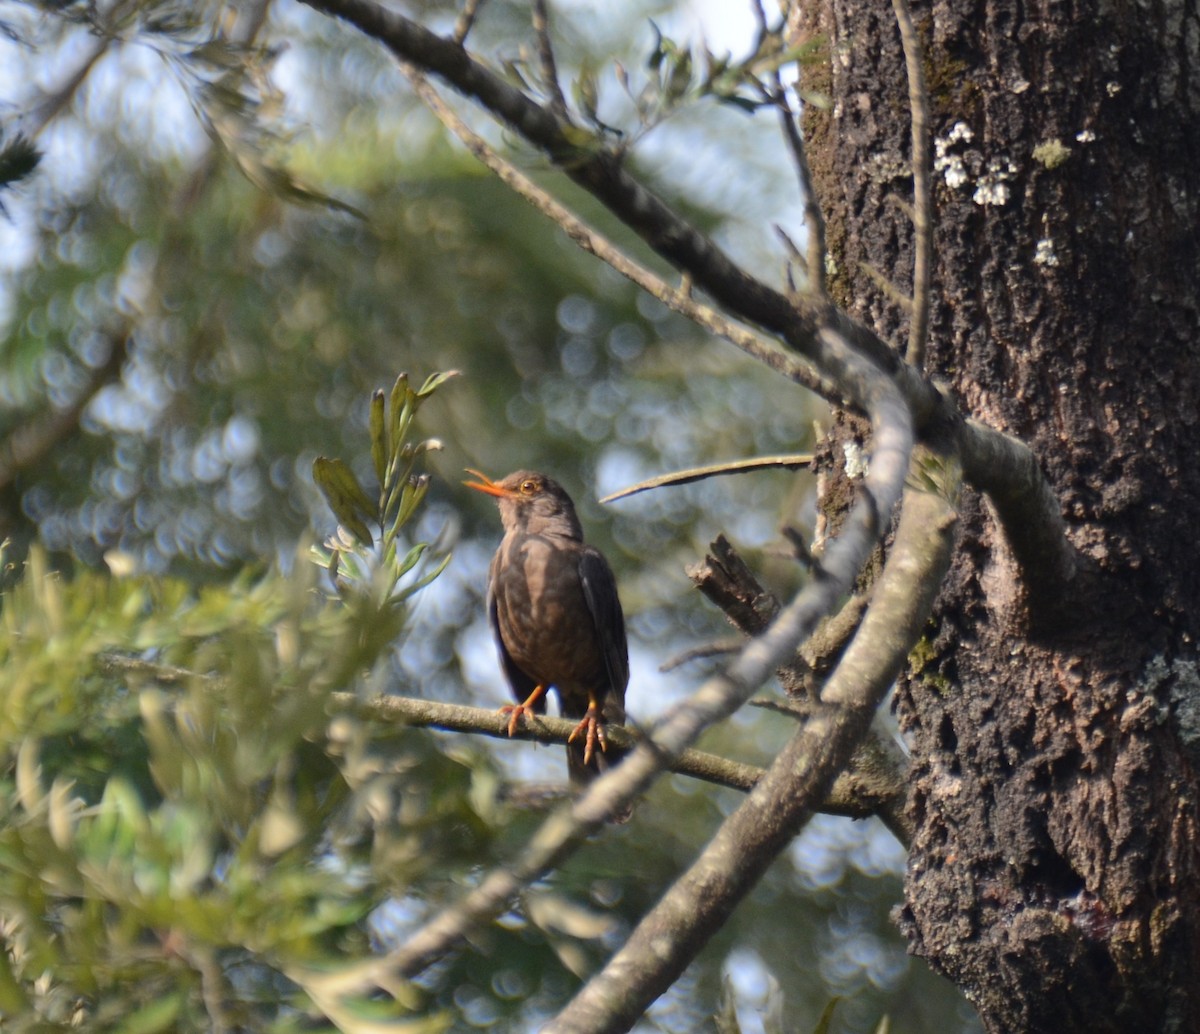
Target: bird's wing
x,y
600,593
520,683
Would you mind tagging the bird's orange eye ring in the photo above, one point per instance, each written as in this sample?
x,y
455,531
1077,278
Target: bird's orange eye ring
x,y
529,486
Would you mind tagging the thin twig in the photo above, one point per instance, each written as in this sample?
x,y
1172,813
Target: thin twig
x,y
814,218
139,667
846,798
721,648
212,988
793,461
465,20
887,287
48,109
918,102
796,255
541,30
760,19
850,796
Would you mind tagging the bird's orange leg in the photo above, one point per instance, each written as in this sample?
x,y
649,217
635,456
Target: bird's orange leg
x,y
591,727
516,710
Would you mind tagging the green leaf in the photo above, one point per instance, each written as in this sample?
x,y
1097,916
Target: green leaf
x,y
346,497
513,73
587,92
423,581
435,381
680,79
746,104
411,558
402,413
379,443
410,499
13,1000
826,1019
659,52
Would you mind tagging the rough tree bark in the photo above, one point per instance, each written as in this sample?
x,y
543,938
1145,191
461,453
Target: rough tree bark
x,y
1054,872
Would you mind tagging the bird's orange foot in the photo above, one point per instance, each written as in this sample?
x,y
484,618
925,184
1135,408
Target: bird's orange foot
x,y
515,711
592,729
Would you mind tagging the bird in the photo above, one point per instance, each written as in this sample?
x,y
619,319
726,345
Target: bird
x,y
556,616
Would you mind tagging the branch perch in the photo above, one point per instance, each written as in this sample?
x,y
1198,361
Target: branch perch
x,y
849,797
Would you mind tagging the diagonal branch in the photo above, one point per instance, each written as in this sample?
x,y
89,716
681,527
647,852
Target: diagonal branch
x,y
585,160
852,796
541,30
814,218
672,933
595,243
725,579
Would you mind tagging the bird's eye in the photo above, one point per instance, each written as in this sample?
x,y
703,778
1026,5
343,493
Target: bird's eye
x,y
529,487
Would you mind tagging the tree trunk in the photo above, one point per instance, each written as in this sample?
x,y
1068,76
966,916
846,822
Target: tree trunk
x,y
1053,876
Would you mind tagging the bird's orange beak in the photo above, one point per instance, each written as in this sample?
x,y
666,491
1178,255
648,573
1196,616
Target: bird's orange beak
x,y
486,484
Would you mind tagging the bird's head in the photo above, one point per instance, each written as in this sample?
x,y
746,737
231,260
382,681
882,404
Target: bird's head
x,y
531,503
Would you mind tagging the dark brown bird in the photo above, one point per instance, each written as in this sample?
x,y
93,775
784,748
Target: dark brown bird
x,y
554,609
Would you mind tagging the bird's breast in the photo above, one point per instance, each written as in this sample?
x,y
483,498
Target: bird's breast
x,y
543,617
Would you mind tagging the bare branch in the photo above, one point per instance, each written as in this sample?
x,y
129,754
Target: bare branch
x,y
710,768
674,931
851,796
875,772
541,30
889,289
1028,511
685,477
49,107
918,102
794,253
465,20
720,648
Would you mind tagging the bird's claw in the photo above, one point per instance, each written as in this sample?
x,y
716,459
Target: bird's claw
x,y
515,711
525,707
592,728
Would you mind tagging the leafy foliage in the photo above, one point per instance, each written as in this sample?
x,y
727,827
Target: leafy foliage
x,y
177,834
400,493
